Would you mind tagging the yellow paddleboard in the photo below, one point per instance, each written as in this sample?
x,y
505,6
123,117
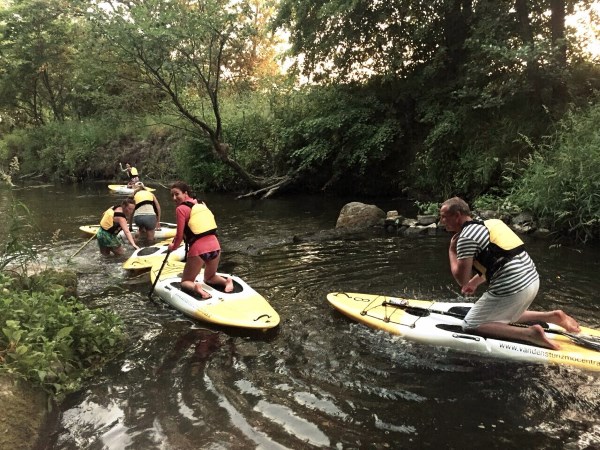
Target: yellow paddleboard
x,y
146,257
439,324
244,307
167,230
124,189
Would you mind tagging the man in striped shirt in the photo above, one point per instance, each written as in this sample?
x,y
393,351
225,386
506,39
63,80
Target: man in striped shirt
x,y
496,254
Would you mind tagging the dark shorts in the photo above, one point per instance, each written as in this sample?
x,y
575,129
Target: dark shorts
x,y
210,255
145,221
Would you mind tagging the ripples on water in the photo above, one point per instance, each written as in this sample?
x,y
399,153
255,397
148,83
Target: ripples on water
x,y
318,380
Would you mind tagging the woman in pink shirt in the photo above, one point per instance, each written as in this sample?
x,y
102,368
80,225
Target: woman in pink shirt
x,y
196,225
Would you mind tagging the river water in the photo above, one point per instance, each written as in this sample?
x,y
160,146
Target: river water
x,y
318,380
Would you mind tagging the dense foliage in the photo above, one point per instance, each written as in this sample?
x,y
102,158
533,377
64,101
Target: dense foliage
x,y
50,339
47,336
428,98
561,182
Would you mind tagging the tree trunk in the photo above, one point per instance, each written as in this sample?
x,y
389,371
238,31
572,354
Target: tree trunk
x,y
526,34
559,47
557,25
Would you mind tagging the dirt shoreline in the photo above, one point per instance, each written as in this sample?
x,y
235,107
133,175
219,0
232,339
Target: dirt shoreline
x,y
23,414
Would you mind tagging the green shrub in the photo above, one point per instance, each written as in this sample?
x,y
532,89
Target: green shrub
x,y
561,181
428,208
13,250
197,166
47,337
52,340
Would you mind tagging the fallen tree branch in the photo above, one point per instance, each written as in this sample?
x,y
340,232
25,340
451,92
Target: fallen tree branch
x,y
270,190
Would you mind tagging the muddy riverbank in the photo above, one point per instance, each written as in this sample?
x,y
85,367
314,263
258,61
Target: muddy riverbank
x,y
23,414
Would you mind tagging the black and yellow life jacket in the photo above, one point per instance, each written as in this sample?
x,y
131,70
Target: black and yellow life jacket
x,y
108,223
144,197
202,223
132,172
504,245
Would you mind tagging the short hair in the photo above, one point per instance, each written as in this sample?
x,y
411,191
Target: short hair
x,y
457,205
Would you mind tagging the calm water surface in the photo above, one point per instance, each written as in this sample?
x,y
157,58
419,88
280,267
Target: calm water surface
x,y
318,380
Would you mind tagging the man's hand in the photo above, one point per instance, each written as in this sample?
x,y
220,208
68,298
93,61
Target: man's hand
x,y
472,285
468,289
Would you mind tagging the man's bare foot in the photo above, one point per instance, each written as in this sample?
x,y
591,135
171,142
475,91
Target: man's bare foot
x,y
537,336
228,285
565,321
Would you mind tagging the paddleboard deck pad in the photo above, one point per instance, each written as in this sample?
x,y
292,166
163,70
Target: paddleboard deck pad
x,y
146,257
439,324
167,230
244,307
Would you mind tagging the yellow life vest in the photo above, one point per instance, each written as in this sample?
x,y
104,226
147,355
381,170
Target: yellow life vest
x,y
201,223
504,245
133,172
108,220
143,197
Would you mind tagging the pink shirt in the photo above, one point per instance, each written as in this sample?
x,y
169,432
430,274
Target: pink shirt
x,y
205,244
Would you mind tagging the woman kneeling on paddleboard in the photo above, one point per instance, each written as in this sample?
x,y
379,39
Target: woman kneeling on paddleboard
x,y
498,257
196,225
113,221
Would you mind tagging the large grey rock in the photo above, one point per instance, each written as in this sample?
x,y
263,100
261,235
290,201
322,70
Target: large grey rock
x,y
426,219
356,215
523,219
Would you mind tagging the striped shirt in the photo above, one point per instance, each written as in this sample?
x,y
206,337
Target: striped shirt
x,y
513,277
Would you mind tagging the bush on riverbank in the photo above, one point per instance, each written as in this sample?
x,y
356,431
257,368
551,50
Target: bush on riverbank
x,y
47,336
76,151
561,181
52,340
340,139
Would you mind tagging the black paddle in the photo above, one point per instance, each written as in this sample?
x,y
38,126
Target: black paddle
x,y
590,342
158,274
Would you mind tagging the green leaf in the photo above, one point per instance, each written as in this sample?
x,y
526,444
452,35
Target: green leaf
x,y
64,332
21,349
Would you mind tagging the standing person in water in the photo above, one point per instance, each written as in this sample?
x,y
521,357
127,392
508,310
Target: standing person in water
x,y
132,173
196,225
147,211
491,252
113,221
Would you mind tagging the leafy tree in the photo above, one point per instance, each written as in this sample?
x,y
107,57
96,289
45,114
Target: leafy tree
x,y
186,50
36,54
479,73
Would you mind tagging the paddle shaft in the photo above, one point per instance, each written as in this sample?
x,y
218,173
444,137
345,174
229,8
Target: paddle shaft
x,y
81,248
591,344
158,274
